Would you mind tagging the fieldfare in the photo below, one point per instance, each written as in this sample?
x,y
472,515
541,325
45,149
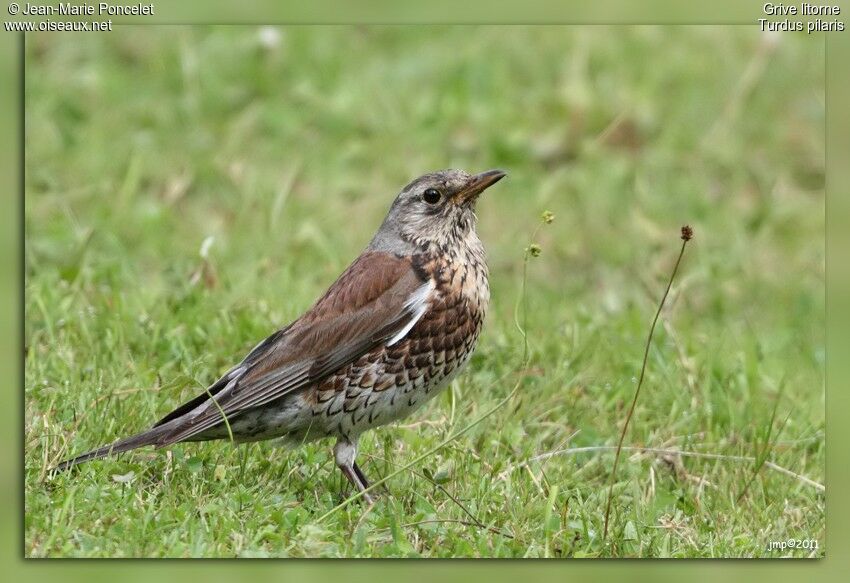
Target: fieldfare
x,y
393,330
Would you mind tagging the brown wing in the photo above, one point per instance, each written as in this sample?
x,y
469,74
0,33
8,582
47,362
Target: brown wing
x,y
378,297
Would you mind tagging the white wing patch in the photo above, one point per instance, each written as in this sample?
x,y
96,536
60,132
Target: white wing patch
x,y
418,302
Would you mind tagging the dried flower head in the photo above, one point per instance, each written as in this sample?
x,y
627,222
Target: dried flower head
x,y
548,217
687,233
534,250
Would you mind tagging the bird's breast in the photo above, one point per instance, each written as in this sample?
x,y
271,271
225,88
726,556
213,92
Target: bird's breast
x,y
393,380
461,283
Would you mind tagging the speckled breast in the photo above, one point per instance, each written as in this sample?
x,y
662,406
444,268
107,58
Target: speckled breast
x,y
392,381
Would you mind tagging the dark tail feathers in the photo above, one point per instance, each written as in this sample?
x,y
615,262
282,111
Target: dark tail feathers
x,y
148,437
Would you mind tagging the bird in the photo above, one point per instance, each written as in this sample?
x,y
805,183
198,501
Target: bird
x,y
392,331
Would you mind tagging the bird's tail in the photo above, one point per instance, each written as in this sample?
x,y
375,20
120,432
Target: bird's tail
x,y
148,437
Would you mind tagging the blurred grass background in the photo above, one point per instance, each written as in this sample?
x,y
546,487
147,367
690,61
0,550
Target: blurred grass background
x,y
281,147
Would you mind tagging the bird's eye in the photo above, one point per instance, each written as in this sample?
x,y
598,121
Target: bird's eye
x,y
431,196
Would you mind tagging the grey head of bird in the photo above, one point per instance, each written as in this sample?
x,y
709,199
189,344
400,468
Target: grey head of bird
x,y
435,211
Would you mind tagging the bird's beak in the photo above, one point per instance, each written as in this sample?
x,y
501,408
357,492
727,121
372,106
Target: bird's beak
x,y
478,184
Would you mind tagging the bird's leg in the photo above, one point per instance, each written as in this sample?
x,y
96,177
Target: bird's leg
x,y
363,478
344,454
361,475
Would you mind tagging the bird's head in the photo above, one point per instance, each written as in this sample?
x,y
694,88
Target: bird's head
x,y
436,209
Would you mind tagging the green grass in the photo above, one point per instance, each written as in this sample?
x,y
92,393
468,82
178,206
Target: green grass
x,y
144,143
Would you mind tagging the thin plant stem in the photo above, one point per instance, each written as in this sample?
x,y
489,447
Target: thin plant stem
x,y
522,301
686,236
